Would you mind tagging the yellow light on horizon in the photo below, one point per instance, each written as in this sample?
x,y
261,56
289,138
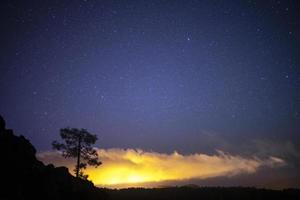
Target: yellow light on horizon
x,y
135,179
115,175
139,168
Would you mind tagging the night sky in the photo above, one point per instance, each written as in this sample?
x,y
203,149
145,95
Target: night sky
x,y
191,76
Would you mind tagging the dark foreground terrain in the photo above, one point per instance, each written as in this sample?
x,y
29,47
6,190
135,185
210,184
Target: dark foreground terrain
x,y
210,193
24,177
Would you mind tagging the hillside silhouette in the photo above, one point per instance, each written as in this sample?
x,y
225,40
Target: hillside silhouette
x,y
24,177
206,193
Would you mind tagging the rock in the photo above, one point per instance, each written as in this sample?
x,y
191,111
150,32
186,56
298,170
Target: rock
x,y
2,124
25,177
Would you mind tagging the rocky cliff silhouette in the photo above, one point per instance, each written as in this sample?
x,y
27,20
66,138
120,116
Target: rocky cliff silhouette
x,y
25,177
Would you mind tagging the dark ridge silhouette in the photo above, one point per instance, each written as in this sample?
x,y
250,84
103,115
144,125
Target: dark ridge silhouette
x,y
24,177
205,193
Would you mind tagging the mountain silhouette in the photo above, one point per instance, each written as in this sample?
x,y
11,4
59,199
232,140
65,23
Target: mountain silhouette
x,y
25,177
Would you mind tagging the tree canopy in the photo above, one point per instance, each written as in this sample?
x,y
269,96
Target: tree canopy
x,y
78,144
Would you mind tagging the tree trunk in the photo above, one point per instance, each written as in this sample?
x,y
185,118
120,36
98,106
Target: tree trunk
x,y
78,156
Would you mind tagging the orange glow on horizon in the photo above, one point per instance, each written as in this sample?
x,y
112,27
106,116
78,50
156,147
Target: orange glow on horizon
x,y
137,167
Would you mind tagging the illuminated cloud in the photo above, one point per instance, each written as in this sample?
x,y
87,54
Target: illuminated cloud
x,y
137,166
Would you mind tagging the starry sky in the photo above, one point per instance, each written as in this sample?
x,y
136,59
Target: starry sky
x,y
191,76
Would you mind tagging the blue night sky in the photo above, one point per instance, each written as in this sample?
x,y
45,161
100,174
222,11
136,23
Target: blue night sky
x,y
191,76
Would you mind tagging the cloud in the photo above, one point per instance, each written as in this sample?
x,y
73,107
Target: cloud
x,y
131,166
207,141
285,149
